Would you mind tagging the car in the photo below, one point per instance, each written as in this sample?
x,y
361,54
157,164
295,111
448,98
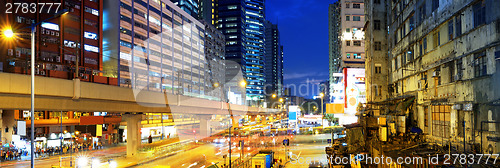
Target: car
x,y
317,165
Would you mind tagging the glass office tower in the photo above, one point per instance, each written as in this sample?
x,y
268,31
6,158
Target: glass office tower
x,y
161,48
242,22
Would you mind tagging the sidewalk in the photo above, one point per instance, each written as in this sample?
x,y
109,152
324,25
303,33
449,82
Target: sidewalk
x,y
104,154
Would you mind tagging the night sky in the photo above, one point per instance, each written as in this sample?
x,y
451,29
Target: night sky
x,y
303,25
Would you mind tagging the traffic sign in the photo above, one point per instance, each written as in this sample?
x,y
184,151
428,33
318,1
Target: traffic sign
x,y
329,140
286,142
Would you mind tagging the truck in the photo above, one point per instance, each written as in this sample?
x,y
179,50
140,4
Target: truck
x,y
262,161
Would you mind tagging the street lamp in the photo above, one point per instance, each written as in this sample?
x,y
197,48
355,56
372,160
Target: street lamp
x,y
243,85
321,95
10,34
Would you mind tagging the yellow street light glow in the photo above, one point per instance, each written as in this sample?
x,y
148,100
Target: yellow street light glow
x,y
274,95
281,99
8,33
216,84
321,94
243,83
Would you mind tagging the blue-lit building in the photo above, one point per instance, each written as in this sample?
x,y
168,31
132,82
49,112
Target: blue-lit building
x,y
242,23
273,61
191,7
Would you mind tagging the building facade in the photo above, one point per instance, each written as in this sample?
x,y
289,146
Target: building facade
x,y
62,44
444,60
189,6
162,51
351,34
376,59
273,61
215,55
242,22
209,10
334,44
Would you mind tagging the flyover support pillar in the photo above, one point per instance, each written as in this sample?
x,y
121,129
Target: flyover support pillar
x,y
205,129
133,133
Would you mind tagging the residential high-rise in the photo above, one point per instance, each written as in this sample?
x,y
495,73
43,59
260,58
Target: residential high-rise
x,y
273,61
444,72
351,34
334,45
242,22
376,61
62,44
192,7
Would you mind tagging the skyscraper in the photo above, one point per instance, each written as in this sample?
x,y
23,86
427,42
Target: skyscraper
x,y
192,7
334,44
273,61
209,10
162,51
242,22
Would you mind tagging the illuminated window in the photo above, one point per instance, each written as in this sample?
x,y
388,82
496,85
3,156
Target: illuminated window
x,y
232,7
231,31
231,43
231,19
91,48
92,11
231,25
357,56
90,35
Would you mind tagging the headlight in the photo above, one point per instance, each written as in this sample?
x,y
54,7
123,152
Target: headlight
x,y
113,164
95,162
82,161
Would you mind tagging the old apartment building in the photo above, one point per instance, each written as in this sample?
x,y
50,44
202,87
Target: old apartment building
x,y
444,59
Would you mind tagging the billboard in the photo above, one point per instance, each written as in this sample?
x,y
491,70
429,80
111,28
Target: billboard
x,y
354,88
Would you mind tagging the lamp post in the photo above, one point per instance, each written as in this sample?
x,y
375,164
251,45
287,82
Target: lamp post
x,y
321,95
243,85
10,34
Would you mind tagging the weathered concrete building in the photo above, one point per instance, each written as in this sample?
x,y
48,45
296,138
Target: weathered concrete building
x,y
445,58
376,58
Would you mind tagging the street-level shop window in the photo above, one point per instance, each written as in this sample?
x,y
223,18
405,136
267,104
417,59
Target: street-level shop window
x,y
441,121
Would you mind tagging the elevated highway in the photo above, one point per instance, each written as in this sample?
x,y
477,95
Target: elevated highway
x,y
54,94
